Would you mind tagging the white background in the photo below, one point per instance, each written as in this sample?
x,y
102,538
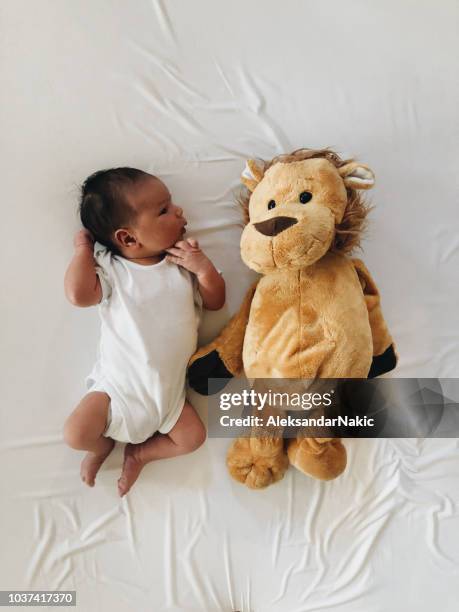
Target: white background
x,y
188,91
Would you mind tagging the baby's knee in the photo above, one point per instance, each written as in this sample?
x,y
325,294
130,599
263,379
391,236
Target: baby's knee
x,y
75,436
196,438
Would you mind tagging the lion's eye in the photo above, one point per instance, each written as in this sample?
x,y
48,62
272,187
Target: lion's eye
x,y
305,196
271,204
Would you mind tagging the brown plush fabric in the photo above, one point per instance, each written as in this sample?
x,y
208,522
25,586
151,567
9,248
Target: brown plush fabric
x,y
257,462
322,458
309,323
380,334
315,313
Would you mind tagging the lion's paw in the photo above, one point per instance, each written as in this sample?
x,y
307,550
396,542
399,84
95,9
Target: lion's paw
x,y
322,458
257,462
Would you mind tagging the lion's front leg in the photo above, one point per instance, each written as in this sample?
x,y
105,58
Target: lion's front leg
x,y
222,358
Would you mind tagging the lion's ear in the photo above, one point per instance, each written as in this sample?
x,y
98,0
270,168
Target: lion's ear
x,y
252,175
357,176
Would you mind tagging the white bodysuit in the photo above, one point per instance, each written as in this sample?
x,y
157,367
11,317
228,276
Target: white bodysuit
x,y
150,316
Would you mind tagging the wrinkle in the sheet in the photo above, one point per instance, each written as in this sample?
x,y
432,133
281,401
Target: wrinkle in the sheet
x,y
152,131
99,524
275,529
165,22
423,462
225,80
173,73
170,555
185,118
45,538
284,583
445,509
251,91
194,533
65,578
70,511
249,99
131,532
170,70
348,573
446,239
227,562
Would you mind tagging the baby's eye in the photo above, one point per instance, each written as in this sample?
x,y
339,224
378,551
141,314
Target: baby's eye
x,y
271,204
305,196
163,211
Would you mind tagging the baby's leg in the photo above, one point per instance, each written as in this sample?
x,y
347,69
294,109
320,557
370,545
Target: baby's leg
x,y
83,431
186,436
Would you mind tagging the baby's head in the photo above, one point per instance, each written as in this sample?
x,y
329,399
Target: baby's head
x,y
130,212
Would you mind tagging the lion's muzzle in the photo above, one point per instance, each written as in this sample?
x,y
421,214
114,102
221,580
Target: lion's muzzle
x,y
274,226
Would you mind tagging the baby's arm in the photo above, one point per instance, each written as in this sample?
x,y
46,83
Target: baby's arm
x,y
211,285
82,285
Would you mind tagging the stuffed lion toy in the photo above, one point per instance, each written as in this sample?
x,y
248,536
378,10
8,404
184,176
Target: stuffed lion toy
x,y
314,313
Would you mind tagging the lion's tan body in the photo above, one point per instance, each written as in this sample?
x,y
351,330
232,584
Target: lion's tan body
x,y
314,321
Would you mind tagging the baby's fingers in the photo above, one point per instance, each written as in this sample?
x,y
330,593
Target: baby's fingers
x,y
189,245
176,252
182,244
193,242
84,233
83,237
175,260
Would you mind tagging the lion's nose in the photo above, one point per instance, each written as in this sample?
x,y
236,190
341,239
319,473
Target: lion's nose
x,y
274,226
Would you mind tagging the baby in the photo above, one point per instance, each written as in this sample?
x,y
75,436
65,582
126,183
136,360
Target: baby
x,y
150,283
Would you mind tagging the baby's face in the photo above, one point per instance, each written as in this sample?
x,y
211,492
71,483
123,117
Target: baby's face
x,y
159,222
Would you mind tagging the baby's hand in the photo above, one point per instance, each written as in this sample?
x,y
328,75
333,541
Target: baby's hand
x,y
83,238
187,253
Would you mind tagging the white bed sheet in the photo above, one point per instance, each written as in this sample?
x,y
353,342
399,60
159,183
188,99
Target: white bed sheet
x,y
189,90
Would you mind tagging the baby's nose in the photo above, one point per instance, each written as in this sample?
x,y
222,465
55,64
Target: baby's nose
x,y
179,211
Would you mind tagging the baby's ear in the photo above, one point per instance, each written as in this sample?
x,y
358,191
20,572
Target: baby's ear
x,y
125,238
357,176
253,173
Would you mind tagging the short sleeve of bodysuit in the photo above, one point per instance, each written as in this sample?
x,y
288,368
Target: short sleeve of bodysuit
x,y
103,259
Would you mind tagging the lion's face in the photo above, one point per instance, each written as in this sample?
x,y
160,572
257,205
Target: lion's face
x,y
293,212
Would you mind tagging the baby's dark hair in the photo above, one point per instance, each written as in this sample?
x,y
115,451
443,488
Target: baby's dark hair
x,y
104,207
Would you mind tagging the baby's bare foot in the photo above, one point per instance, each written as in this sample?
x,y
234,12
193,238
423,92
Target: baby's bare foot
x,y
91,465
132,466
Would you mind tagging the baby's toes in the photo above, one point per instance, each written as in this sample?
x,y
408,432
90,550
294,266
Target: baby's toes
x,y
88,471
90,465
122,486
130,473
